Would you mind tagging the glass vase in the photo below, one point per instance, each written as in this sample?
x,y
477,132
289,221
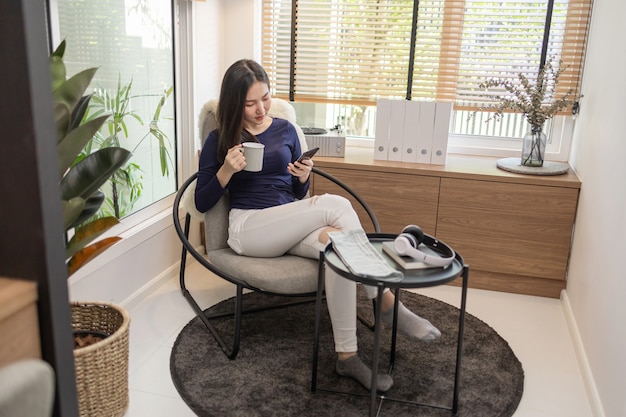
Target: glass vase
x,y
534,147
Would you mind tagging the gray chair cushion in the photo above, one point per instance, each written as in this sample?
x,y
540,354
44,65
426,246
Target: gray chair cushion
x,y
286,274
216,225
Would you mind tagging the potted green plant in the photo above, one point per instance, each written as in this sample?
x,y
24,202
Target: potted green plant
x,y
101,329
536,99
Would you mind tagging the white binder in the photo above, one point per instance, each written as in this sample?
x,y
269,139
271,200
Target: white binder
x,y
396,130
426,128
381,140
411,131
443,115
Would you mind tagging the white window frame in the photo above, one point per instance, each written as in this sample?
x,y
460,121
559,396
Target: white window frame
x,y
557,148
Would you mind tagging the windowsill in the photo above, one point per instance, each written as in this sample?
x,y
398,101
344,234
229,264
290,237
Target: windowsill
x,y
457,166
139,228
502,147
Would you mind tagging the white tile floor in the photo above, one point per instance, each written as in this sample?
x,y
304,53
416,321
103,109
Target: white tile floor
x,y
534,327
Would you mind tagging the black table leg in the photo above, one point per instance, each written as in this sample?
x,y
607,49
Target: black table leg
x,y
318,313
394,329
375,355
459,346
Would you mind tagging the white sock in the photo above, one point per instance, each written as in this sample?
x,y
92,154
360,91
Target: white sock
x,y
357,370
411,324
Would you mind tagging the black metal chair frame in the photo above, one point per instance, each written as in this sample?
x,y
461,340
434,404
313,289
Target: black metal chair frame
x,y
183,233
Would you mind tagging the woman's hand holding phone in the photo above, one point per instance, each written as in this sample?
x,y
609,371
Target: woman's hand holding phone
x,y
301,168
308,154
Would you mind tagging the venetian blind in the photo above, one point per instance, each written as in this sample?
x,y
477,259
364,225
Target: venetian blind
x,y
357,51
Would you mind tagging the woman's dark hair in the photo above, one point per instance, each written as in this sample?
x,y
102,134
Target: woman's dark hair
x,y
237,81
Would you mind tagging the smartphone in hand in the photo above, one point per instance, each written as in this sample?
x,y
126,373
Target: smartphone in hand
x,y
308,154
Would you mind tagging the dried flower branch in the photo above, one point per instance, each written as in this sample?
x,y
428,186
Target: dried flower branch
x,y
536,101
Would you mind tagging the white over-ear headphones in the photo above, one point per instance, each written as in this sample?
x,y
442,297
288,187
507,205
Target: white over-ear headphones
x,y
408,241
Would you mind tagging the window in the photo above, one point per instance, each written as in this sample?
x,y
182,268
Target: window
x,y
130,41
354,52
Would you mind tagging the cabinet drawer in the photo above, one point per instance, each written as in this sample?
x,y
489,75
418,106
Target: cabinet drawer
x,y
508,228
396,199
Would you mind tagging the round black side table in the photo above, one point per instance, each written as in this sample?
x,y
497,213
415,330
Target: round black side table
x,y
413,278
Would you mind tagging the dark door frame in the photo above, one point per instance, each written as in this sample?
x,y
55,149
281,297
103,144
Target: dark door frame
x,y
31,229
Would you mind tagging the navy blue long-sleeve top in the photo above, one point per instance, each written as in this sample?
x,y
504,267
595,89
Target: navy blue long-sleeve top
x,y
272,186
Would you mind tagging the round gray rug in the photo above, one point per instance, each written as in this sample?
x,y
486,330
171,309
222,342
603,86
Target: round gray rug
x,y
271,376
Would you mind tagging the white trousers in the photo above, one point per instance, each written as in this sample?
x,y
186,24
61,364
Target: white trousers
x,y
294,228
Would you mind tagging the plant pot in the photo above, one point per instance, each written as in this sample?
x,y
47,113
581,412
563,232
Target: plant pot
x,y
534,147
102,367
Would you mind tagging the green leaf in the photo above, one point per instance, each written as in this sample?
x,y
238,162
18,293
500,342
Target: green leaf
x,y
62,117
60,51
157,111
109,142
57,67
57,71
71,91
163,157
79,111
71,211
163,152
96,113
90,207
84,178
75,141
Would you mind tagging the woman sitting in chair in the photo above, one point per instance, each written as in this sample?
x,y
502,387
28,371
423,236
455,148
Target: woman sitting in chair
x,y
268,216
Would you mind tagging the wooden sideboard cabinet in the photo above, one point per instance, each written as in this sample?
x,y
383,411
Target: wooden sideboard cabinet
x,y
396,198
514,231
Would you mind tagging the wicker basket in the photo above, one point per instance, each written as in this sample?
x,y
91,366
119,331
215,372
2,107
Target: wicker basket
x,y
102,368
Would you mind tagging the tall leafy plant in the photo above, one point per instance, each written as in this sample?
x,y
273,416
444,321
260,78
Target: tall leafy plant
x,y
80,179
126,184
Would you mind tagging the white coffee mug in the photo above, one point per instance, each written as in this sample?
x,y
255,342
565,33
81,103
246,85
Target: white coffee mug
x,y
253,151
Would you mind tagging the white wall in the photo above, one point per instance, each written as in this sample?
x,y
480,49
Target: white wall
x,y
596,286
207,67
143,255
239,29
223,33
